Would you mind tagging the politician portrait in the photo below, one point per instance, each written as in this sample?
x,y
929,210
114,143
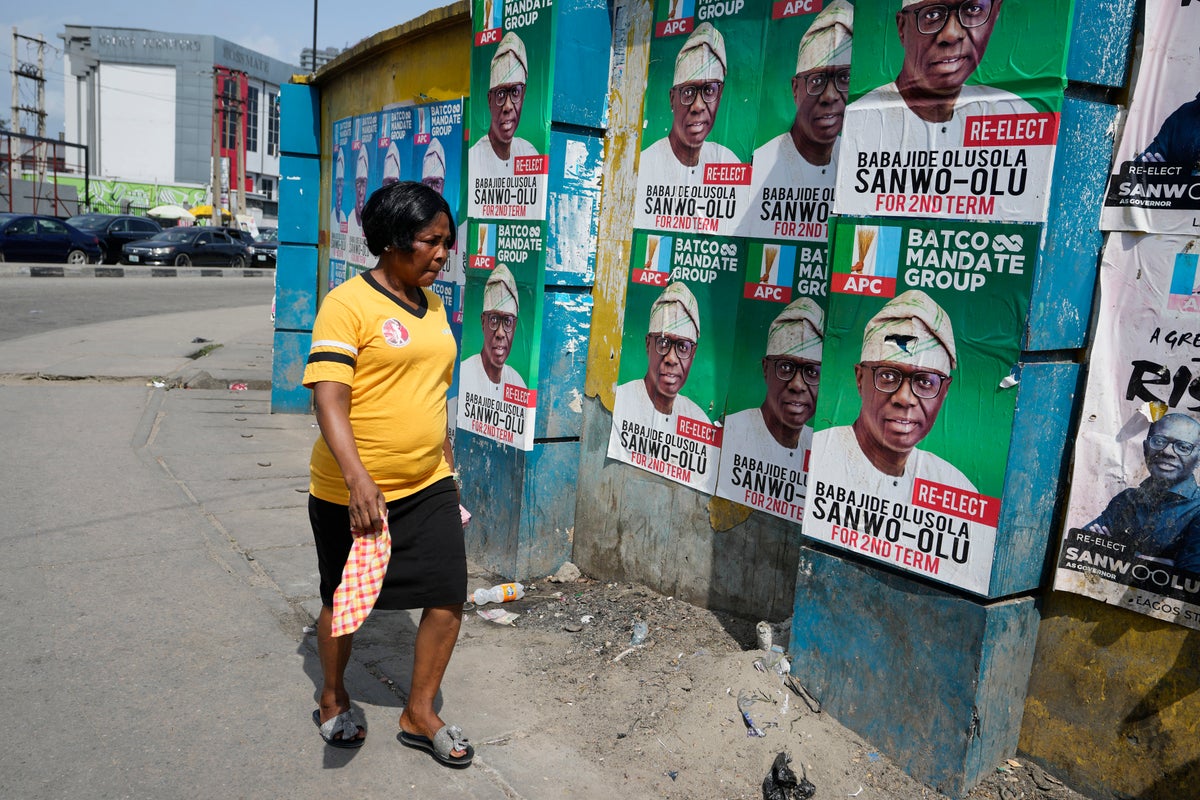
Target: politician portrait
x,y
695,99
1159,519
673,334
775,437
487,372
492,155
903,377
805,155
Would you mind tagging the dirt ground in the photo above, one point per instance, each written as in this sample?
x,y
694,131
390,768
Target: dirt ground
x,y
668,710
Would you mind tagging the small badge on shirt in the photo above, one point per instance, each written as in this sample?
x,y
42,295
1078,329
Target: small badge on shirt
x,y
394,333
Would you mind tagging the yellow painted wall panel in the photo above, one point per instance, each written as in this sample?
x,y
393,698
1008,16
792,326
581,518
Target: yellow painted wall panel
x,y
1114,700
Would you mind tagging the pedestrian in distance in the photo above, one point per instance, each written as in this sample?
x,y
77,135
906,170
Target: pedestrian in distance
x,y
381,361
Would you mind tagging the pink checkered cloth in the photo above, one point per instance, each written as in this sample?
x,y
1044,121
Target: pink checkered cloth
x,y
362,578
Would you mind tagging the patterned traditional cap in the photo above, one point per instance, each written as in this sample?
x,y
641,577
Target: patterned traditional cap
x,y
676,312
509,64
363,166
391,164
702,57
433,165
798,331
500,292
911,329
827,42
339,166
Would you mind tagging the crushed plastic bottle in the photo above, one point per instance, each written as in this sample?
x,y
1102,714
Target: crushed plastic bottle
x,y
640,631
502,593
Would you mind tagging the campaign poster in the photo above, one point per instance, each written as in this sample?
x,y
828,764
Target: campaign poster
x,y
501,332
676,351
1132,535
805,69
367,174
437,162
914,421
774,382
1155,186
340,200
512,71
698,115
954,109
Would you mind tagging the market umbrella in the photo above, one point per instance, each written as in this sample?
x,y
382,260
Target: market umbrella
x,y
170,212
207,211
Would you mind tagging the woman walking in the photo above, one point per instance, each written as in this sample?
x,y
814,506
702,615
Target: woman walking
x,y
381,361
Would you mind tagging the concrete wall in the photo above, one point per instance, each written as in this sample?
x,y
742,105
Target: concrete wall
x,y
1108,700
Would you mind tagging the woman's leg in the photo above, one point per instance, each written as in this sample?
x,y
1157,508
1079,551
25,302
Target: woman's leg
x,y
436,637
335,655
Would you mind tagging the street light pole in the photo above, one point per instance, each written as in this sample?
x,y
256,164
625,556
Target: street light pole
x,y
314,50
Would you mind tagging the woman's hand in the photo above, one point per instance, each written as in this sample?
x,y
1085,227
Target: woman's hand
x,y
367,506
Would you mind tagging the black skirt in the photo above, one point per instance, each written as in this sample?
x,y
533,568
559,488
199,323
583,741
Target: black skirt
x,y
428,567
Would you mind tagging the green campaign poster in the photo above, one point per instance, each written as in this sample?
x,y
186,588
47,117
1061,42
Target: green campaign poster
x,y
805,69
501,331
512,72
915,415
954,109
676,353
774,379
698,116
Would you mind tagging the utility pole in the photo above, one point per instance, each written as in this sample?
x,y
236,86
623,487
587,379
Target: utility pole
x,y
216,149
240,122
31,72
36,73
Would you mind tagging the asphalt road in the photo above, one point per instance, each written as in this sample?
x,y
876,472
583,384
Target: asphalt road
x,y
36,305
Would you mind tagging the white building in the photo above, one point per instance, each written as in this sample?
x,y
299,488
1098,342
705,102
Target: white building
x,y
149,104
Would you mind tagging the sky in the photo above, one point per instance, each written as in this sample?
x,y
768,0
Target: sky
x,y
277,28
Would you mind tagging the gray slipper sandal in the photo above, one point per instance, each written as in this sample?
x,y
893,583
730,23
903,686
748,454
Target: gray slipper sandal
x,y
445,742
342,724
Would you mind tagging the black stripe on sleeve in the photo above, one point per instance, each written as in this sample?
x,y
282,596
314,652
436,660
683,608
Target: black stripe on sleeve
x,y
340,358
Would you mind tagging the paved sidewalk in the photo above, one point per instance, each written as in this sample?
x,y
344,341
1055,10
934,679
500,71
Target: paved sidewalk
x,y
158,646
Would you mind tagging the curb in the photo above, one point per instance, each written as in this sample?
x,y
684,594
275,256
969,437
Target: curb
x,y
121,271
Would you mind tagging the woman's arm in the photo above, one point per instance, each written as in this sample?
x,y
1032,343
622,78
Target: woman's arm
x,y
367,504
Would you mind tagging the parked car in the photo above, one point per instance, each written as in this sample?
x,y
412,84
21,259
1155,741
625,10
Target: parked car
x,y
237,234
32,238
262,252
115,231
186,246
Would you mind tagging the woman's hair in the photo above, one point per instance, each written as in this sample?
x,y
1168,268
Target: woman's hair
x,y
396,213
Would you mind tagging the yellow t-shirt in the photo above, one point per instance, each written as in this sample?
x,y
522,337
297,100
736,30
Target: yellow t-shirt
x,y
398,364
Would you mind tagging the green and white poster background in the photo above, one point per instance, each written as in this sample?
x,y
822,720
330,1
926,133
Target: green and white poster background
x,y
515,189
686,446
800,204
504,412
701,203
767,477
994,159
981,276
